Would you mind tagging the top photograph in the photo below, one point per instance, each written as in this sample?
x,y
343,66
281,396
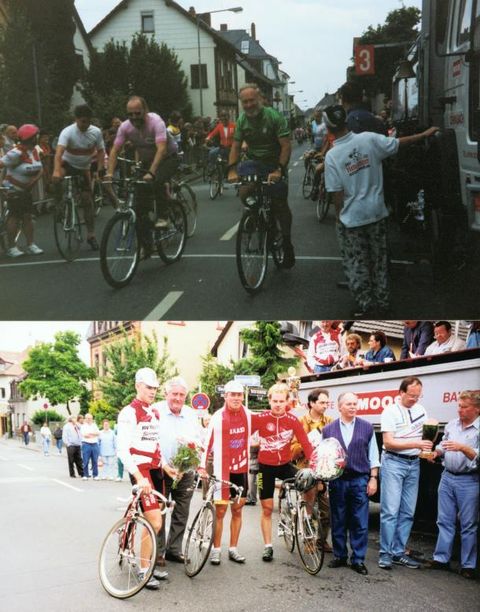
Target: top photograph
x,y
307,159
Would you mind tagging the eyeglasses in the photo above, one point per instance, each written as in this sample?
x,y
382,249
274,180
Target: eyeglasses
x,y
135,114
413,397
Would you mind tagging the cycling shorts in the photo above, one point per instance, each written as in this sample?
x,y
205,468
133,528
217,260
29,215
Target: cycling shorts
x,y
19,203
267,475
241,480
72,171
155,478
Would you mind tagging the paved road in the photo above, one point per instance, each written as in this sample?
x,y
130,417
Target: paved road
x,y
205,284
52,527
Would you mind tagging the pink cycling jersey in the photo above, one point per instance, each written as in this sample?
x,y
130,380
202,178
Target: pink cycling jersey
x,y
145,139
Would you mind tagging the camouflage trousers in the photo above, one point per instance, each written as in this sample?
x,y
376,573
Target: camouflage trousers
x,y
365,263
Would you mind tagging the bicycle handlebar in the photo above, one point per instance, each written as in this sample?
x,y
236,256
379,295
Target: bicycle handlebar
x,y
228,484
168,504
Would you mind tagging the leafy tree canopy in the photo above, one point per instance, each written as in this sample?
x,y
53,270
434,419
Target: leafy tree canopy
x,y
40,416
38,35
124,358
145,68
55,371
265,359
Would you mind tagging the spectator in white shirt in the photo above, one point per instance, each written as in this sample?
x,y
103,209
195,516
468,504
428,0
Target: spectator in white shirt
x,y
445,341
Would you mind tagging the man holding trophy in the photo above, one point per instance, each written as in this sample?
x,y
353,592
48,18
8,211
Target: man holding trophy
x,y
458,492
402,428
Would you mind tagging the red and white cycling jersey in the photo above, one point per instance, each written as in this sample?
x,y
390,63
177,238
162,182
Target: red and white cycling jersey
x,y
138,436
276,435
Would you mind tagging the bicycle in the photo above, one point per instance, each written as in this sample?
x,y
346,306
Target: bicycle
x,y
323,200
309,176
202,529
297,525
183,193
121,244
258,234
122,568
67,225
217,176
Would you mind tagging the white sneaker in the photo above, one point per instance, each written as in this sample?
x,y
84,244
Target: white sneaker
x,y
14,252
33,249
119,479
215,557
96,478
84,478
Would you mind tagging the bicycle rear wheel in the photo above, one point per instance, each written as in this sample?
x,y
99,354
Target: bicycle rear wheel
x,y
309,541
307,185
187,197
119,250
323,202
251,251
287,523
67,230
215,183
199,540
171,239
121,557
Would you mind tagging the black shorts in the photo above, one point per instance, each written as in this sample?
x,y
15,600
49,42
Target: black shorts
x,y
20,203
241,480
72,171
155,478
267,475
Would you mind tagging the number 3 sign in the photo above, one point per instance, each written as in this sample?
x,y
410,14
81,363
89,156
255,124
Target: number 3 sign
x,y
364,60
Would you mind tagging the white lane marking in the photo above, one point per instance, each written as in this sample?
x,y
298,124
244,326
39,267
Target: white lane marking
x,y
69,486
231,232
164,306
50,261
3,459
295,164
26,467
21,479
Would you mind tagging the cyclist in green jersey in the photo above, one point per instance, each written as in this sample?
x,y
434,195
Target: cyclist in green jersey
x,y
267,135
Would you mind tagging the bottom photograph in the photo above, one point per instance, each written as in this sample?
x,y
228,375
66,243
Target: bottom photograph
x,y
240,465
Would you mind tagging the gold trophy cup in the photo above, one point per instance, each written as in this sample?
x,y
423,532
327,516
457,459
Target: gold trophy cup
x,y
429,432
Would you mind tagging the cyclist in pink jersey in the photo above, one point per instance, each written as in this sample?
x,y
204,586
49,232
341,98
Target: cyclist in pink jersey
x,y
148,135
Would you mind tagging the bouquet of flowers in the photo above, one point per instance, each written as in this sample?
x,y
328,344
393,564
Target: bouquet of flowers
x,y
328,459
186,459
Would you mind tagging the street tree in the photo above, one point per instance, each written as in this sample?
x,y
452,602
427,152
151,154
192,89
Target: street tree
x,y
400,27
123,358
39,66
265,358
55,371
143,68
40,416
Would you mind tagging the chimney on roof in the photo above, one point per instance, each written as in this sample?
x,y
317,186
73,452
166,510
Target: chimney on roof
x,y
253,32
192,11
223,27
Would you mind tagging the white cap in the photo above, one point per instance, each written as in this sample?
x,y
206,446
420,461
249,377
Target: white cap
x,y
233,386
147,376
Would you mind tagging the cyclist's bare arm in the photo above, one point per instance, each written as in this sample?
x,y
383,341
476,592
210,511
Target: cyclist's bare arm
x,y
57,164
160,153
100,160
112,160
233,160
284,158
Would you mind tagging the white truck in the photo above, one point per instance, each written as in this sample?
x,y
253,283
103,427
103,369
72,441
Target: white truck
x,y
438,84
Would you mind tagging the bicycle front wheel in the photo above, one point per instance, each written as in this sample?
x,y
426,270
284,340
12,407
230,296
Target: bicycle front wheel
x,y
97,197
199,540
124,566
252,255
286,523
119,250
307,185
323,203
187,198
309,540
67,230
215,183
170,240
